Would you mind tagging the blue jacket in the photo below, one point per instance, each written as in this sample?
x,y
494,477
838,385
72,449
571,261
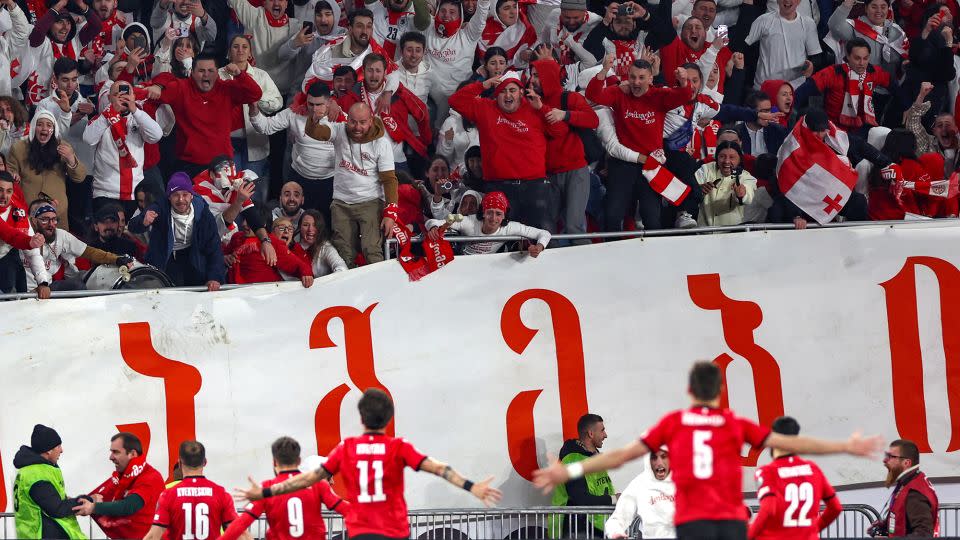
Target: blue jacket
x,y
773,136
206,254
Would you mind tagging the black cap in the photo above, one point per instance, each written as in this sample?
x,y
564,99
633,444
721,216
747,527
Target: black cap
x,y
106,213
44,439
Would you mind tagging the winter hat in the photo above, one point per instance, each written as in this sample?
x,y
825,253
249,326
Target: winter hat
x,y
43,113
580,5
44,439
510,77
877,136
497,200
179,181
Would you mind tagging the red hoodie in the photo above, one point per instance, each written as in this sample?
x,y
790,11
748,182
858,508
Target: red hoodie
x,y
564,153
771,88
677,53
204,122
514,144
638,120
250,266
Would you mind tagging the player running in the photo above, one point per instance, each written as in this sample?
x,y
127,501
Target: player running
x,y
704,443
790,490
196,508
372,470
294,515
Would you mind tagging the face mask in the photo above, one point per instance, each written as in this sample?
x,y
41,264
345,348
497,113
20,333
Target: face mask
x,y
188,63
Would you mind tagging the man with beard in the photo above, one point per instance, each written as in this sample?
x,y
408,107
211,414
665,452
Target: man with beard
x,y
271,28
451,46
55,35
404,106
185,243
650,496
15,234
571,21
394,18
942,137
590,490
112,24
620,30
186,18
200,105
691,45
300,48
350,51
913,508
59,270
291,203
107,226
363,182
784,483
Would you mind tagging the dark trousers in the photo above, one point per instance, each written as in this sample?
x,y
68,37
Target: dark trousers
x,y
627,188
129,207
532,202
713,530
684,167
12,275
181,270
317,193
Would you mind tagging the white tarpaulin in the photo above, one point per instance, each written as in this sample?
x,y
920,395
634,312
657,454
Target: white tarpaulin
x,y
492,359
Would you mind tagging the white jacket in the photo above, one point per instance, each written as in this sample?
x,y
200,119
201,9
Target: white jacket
x,y
463,139
721,206
471,226
15,30
650,499
451,58
63,251
258,145
141,129
310,158
267,40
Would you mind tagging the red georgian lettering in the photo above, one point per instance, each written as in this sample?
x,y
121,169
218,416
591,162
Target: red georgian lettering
x,y
568,339
739,319
906,356
358,349
181,383
3,488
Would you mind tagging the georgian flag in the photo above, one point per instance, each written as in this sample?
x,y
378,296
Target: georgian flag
x,y
815,174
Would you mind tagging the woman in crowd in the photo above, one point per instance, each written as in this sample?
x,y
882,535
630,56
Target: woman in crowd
x,y
247,265
13,121
45,162
508,28
176,56
726,186
491,222
456,135
781,94
314,247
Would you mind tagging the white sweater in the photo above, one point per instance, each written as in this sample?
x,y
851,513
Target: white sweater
x,y
420,82
455,150
258,145
16,32
267,40
650,499
310,158
451,58
471,226
64,250
141,129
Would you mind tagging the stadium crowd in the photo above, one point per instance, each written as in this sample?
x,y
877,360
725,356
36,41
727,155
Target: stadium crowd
x,y
248,141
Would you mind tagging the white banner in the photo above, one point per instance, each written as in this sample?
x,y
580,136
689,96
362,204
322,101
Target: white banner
x,y
492,359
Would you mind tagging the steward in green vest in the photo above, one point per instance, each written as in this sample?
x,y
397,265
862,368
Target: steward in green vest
x,y
40,503
595,489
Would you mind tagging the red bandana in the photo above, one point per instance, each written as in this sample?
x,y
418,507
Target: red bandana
x,y
118,129
497,200
280,22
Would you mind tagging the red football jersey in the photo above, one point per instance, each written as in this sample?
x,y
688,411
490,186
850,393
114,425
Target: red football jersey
x,y
194,509
705,445
372,468
799,486
297,514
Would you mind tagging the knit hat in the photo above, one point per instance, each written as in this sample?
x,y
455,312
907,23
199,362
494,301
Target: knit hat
x,y
510,77
44,439
497,200
580,5
179,181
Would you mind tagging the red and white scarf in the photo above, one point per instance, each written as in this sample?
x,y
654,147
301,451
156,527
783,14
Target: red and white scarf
x,y
857,107
624,54
946,188
118,130
703,146
104,40
64,49
114,488
662,180
276,22
900,46
437,253
510,38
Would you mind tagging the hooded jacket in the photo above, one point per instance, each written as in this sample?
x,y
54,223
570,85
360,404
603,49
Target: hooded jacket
x,y
303,56
45,495
649,499
771,88
564,153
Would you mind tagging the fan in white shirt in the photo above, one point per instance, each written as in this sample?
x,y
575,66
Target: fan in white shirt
x,y
494,208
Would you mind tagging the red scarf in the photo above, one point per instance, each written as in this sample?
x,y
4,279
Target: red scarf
x,y
437,253
105,38
118,129
280,22
114,488
65,49
857,100
662,180
398,128
704,143
447,29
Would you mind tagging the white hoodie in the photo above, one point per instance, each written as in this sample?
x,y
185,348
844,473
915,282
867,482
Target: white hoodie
x,y
14,34
451,58
649,499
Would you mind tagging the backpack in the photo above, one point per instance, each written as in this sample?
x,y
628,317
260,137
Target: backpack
x,y
592,147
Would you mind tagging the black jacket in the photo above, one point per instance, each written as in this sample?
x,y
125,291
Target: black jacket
x,y
45,495
577,492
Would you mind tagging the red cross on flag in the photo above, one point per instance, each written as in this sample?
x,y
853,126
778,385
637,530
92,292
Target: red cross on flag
x,y
814,173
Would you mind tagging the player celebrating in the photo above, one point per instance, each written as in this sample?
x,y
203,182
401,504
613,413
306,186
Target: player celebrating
x,y
704,443
790,490
372,470
196,508
296,514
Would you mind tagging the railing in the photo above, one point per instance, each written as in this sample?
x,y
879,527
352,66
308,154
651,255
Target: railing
x,y
950,519
520,523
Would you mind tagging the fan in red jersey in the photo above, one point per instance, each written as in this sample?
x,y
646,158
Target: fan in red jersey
x,y
294,515
372,468
704,442
790,490
196,508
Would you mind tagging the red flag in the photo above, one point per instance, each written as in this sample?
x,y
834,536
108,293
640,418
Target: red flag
x,y
815,174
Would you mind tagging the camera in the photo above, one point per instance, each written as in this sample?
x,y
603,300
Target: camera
x,y
623,11
447,185
123,88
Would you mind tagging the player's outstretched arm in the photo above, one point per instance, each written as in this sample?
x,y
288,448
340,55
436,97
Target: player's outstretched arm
x,y
558,473
156,533
295,483
481,490
856,445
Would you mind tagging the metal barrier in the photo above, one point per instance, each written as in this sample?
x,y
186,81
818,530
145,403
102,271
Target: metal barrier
x,y
950,519
519,523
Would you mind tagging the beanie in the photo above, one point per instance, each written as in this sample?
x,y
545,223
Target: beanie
x,y
44,439
510,77
580,5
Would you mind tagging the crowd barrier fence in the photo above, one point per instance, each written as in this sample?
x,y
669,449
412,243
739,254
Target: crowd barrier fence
x,y
519,523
